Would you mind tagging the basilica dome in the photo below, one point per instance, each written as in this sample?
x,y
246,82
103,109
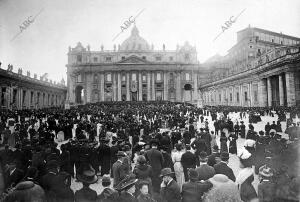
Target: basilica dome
x,y
135,42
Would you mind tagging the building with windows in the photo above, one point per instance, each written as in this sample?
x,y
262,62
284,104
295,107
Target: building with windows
x,y
133,71
18,91
262,69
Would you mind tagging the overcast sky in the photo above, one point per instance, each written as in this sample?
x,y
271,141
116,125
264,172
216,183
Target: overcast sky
x,y
42,47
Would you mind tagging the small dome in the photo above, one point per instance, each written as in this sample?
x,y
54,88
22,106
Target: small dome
x,y
135,42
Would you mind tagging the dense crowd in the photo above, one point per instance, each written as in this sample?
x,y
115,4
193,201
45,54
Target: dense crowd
x,y
148,152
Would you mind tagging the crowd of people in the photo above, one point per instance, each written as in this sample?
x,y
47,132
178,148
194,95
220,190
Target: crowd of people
x,y
148,152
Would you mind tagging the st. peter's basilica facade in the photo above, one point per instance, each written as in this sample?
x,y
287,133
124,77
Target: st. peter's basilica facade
x,y
133,71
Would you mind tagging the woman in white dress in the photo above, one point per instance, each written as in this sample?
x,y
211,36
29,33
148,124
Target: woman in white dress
x,y
176,158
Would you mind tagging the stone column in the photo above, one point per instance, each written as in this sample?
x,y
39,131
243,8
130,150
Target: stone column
x,y
88,89
290,89
281,92
269,91
250,94
241,95
140,98
102,87
119,87
262,93
178,87
166,97
127,87
148,86
114,77
153,85
195,87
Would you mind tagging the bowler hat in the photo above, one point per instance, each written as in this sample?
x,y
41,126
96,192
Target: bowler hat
x,y
127,182
193,174
266,172
203,155
224,156
166,171
88,176
121,154
106,179
215,148
261,132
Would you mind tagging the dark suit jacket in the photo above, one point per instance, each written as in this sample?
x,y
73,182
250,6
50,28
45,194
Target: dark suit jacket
x,y
171,193
126,197
193,191
14,178
205,172
155,159
86,194
118,172
222,168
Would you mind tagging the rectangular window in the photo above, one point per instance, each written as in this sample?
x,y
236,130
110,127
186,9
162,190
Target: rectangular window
x,y
187,76
230,97
158,76
144,57
220,97
79,78
108,77
158,58
246,96
144,85
95,59
123,77
171,58
123,57
79,58
187,57
144,78
108,59
133,77
237,97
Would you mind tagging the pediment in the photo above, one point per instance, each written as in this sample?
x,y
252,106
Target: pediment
x,y
133,60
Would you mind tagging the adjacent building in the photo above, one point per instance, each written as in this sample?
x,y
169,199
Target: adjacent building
x,y
18,91
262,69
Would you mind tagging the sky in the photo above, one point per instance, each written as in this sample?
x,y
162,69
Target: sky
x,y
42,46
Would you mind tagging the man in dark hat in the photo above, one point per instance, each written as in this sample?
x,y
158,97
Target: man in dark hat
x,y
168,163
156,161
127,189
118,169
113,154
193,190
169,191
204,171
108,194
49,180
214,158
104,156
223,168
86,193
12,175
188,160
